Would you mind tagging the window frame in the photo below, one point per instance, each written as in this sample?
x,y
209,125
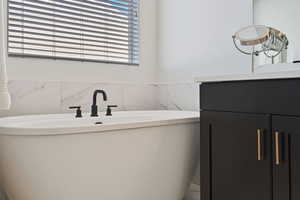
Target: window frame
x,y
129,63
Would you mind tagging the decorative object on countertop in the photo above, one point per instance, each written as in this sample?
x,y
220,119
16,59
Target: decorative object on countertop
x,y
5,100
258,39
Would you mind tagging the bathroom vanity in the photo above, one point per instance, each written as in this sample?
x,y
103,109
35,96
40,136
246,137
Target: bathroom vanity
x,y
250,138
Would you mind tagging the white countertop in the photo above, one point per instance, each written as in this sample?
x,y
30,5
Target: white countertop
x,y
280,74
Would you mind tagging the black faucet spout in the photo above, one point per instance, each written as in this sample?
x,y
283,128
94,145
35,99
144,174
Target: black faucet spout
x,y
94,109
99,92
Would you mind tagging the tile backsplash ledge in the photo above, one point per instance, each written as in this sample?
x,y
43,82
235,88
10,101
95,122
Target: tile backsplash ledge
x,y
39,97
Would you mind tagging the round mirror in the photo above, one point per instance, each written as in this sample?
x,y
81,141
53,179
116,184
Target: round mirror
x,y
253,35
258,39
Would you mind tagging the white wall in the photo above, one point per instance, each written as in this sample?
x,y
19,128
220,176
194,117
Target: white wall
x,y
283,15
195,38
57,70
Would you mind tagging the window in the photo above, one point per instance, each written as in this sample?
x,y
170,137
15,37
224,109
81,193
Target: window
x,y
84,30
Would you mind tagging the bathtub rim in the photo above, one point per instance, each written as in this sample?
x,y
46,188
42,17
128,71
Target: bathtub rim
x,y
18,131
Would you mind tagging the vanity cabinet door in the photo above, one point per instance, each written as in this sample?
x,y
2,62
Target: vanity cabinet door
x,y
286,139
235,157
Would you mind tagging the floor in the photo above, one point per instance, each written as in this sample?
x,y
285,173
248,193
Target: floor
x,y
194,193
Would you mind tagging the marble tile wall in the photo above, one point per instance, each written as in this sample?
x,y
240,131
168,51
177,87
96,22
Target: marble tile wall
x,y
179,96
36,97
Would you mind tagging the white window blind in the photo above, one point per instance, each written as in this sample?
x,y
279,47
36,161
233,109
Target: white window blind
x,y
84,30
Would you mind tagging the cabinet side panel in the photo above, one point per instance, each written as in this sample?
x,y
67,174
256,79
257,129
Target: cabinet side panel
x,y
205,157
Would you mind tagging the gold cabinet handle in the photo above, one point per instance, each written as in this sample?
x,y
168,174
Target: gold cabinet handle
x,y
259,145
277,148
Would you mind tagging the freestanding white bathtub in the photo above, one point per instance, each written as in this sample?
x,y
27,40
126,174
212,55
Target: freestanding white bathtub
x,y
145,155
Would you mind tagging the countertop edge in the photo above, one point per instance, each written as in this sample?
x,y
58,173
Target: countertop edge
x,y
245,77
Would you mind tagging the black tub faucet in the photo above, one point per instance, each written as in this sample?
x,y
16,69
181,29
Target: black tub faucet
x,y
94,111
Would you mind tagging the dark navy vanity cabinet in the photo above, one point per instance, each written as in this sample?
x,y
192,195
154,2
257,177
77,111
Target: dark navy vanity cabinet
x,y
250,140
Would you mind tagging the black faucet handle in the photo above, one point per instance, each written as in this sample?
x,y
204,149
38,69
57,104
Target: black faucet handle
x,y
112,106
78,111
108,110
75,107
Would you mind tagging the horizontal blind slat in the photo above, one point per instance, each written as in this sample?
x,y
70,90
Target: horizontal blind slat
x,y
71,58
119,3
115,4
70,2
65,52
123,7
